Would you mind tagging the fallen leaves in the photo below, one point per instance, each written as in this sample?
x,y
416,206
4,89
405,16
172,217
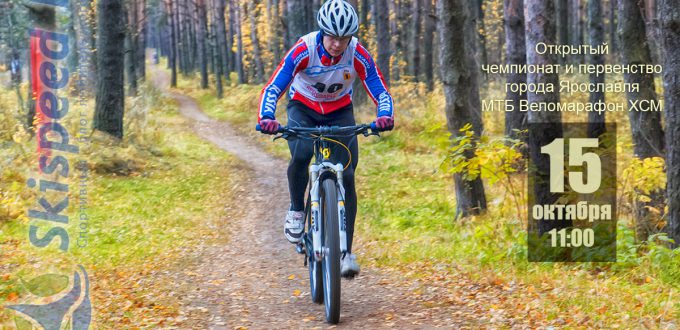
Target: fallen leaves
x,y
12,297
217,282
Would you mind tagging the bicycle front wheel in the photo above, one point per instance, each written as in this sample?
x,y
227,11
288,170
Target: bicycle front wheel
x,y
331,261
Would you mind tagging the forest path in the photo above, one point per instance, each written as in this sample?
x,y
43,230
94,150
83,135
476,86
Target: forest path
x,y
257,281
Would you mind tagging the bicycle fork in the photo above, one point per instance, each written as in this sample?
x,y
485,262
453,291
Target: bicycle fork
x,y
314,171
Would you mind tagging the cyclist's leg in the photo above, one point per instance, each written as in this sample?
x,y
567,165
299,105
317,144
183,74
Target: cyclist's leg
x,y
350,193
301,152
345,117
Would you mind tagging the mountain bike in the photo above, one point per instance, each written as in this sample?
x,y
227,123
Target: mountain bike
x,y
325,238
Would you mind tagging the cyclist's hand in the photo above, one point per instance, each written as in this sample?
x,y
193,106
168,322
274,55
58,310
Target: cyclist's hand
x,y
384,123
269,126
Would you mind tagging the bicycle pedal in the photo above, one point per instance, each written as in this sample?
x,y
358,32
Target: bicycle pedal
x,y
350,276
299,248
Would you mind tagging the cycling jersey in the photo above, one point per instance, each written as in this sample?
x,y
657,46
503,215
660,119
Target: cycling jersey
x,y
322,82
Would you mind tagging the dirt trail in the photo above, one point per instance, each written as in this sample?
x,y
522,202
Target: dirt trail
x,y
257,281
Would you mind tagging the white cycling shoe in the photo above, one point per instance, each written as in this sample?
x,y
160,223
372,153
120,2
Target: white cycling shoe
x,y
294,226
349,266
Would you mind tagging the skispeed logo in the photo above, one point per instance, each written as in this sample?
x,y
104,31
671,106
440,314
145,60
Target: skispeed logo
x,y
56,310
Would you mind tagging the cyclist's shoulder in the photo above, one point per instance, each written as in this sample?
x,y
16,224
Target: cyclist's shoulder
x,y
310,39
362,56
299,51
361,51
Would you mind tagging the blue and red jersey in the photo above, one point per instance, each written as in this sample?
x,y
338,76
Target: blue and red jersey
x,y
322,82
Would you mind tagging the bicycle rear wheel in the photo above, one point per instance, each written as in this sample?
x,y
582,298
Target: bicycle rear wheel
x,y
331,261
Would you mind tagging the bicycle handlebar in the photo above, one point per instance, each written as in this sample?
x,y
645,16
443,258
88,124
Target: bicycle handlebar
x,y
328,130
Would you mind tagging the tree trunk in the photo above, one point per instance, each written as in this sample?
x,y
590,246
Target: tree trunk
x,y
515,53
382,29
562,25
670,47
363,19
651,26
142,26
596,35
239,42
192,44
130,47
574,26
314,9
481,34
201,39
110,97
540,28
275,40
87,42
173,44
284,25
582,26
613,40
231,55
185,15
427,59
259,65
414,49
397,44
459,76
646,128
224,50
217,45
296,20
179,51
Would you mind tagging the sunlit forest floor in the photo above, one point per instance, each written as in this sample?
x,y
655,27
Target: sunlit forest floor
x,y
159,183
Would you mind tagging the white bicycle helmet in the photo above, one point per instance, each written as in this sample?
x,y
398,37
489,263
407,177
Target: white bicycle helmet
x,y
338,18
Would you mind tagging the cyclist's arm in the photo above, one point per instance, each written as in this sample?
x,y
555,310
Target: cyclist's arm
x,y
374,83
296,60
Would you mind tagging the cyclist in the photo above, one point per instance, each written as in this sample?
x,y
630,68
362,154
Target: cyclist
x,y
320,70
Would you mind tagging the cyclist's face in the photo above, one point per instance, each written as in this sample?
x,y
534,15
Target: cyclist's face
x,y
335,46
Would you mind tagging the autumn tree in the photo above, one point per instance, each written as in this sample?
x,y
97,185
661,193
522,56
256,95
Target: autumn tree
x,y
540,28
108,115
648,139
460,78
670,48
515,53
596,120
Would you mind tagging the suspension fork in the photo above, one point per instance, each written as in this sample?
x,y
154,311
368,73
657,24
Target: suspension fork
x,y
341,208
316,223
314,171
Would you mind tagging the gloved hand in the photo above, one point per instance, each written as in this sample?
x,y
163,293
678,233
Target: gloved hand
x,y
269,126
384,123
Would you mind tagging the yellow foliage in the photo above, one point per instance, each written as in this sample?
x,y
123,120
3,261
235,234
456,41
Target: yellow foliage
x,y
644,176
